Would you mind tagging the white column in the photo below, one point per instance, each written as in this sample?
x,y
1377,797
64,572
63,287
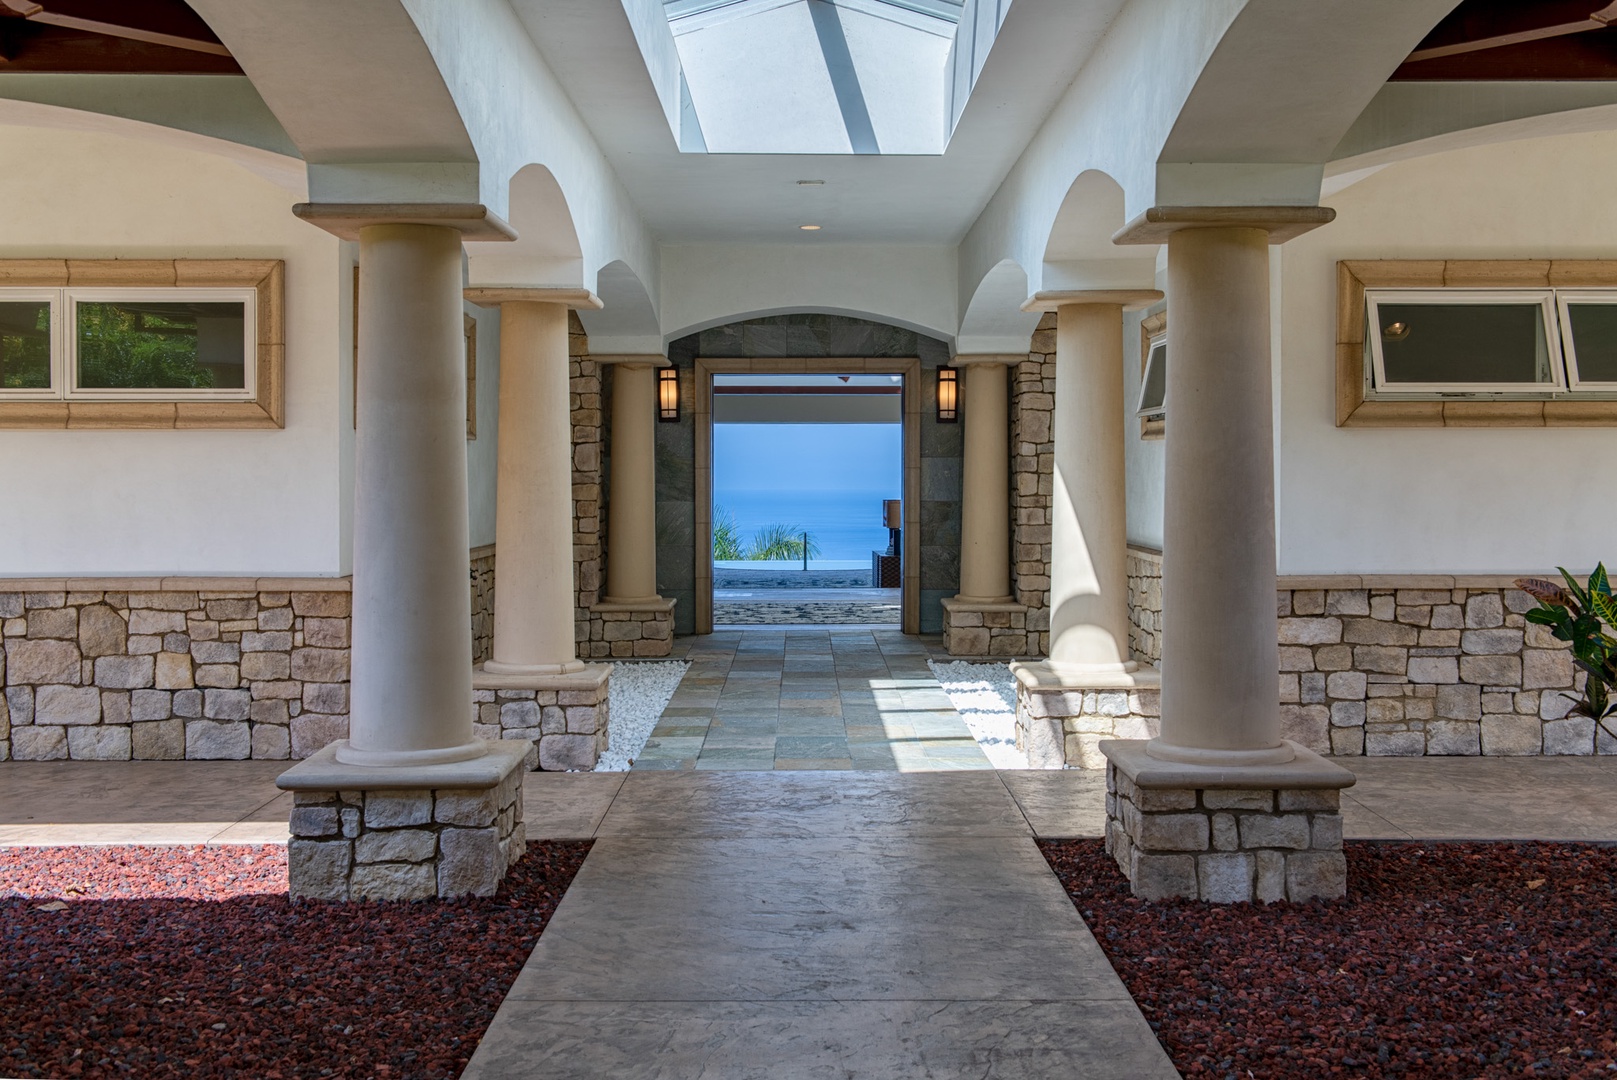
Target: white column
x,y
411,682
1219,704
631,531
985,498
1089,615
534,600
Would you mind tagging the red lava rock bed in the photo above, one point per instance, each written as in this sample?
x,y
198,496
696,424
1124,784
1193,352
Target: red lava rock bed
x,y
193,962
1445,960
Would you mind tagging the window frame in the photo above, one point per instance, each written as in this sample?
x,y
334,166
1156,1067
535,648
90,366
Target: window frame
x,y
1152,327
1152,343
1354,408
159,407
1378,387
1564,299
68,338
54,297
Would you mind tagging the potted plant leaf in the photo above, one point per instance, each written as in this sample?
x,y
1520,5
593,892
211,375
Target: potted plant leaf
x,y
1582,616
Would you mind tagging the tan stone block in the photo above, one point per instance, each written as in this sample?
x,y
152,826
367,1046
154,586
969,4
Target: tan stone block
x,y
1275,831
1311,874
321,604
1163,877
318,870
1546,668
1171,832
158,740
396,845
1236,799
30,662
393,881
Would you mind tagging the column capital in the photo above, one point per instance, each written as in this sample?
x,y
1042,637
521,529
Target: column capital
x,y
495,295
1002,359
344,220
633,360
1056,299
1282,223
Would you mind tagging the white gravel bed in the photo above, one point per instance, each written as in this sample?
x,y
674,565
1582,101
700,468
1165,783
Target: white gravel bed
x,y
638,695
985,697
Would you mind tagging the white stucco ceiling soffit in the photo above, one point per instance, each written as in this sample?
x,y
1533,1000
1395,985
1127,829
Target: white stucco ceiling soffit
x,y
358,93
1283,85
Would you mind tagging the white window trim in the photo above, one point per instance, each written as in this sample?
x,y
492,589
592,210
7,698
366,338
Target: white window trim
x,y
64,343
1545,298
1564,299
53,391
1141,410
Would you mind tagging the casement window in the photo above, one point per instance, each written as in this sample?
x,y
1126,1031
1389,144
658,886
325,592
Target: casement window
x,y
141,343
1463,342
1154,379
1588,319
1152,404
128,344
1475,343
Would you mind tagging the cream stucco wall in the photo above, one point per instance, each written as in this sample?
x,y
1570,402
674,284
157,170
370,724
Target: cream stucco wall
x,y
1450,500
191,502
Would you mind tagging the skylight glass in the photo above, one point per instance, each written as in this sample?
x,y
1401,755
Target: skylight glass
x,y
938,9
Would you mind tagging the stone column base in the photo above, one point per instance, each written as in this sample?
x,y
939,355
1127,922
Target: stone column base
x,y
564,717
1062,716
985,629
404,833
1222,834
630,630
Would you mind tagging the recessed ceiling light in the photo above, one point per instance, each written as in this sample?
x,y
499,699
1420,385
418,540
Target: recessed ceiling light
x,y
810,183
809,228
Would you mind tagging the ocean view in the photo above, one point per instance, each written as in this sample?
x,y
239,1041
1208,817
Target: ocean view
x,y
828,479
847,525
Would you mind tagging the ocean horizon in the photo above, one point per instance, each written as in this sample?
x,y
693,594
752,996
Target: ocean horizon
x,y
847,525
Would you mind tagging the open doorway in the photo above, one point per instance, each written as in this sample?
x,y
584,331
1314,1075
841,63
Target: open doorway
x,y
808,492
808,471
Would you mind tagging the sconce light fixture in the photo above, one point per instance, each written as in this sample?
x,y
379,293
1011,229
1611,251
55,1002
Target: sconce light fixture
x,y
948,395
668,395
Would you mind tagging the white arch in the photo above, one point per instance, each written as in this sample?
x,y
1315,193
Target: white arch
x,y
994,321
627,320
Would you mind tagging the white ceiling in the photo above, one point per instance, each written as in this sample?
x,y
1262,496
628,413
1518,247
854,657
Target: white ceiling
x,y
687,197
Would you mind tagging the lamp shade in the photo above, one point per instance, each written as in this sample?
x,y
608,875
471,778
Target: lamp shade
x,y
948,395
668,395
892,513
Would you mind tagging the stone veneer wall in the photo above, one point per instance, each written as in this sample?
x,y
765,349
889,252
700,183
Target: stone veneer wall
x,y
168,669
482,603
1145,605
586,414
1033,405
1404,666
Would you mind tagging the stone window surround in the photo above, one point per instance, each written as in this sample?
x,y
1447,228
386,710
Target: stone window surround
x,y
1150,326
1354,276
266,276
702,410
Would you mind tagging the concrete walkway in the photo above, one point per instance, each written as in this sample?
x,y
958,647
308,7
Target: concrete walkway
x,y
789,925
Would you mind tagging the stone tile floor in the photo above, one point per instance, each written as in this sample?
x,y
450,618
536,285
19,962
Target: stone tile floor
x,y
810,698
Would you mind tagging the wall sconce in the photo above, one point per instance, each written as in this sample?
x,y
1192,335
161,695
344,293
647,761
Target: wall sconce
x,y
668,395
948,395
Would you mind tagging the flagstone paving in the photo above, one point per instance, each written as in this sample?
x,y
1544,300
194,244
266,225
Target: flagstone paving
x,y
802,698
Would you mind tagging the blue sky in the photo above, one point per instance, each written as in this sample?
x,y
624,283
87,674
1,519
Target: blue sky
x,y
811,458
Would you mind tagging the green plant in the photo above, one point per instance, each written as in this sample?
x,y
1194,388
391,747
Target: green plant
x,y
1581,615
782,542
726,536
121,347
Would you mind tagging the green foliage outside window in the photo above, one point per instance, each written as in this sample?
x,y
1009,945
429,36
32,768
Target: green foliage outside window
x,y
25,345
138,347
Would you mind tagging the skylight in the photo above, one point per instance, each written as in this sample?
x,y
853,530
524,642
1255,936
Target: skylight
x,y
938,9
824,76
